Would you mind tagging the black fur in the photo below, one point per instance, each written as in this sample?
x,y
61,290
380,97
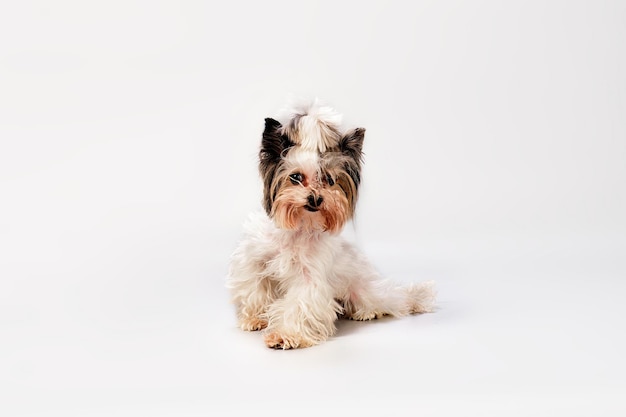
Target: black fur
x,y
351,145
273,144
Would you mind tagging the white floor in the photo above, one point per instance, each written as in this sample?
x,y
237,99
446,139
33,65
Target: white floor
x,y
523,328
495,164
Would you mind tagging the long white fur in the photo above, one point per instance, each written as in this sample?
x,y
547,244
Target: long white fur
x,y
317,127
290,281
295,283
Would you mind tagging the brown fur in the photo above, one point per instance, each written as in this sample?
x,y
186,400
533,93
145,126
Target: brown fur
x,y
285,201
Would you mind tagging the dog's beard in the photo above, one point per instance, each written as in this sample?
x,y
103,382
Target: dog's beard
x,y
290,211
311,171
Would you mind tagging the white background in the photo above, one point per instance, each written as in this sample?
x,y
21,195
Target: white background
x,y
495,164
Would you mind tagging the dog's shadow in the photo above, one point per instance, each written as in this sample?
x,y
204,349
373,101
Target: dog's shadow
x,y
346,327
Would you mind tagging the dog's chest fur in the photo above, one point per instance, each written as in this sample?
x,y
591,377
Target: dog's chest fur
x,y
305,256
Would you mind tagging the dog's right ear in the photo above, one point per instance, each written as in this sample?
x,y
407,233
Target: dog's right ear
x,y
274,142
273,145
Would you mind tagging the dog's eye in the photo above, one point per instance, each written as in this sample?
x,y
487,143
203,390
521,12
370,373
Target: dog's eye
x,y
330,180
296,178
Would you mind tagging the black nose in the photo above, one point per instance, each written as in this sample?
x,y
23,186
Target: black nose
x,y
313,202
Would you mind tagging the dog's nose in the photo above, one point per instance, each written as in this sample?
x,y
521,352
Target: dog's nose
x,y
315,202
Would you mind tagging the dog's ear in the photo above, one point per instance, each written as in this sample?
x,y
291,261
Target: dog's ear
x,y
274,142
351,144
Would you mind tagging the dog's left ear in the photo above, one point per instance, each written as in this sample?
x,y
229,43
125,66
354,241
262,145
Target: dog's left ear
x,y
351,144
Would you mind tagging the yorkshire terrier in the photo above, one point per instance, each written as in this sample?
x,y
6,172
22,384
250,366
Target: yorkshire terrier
x,y
293,274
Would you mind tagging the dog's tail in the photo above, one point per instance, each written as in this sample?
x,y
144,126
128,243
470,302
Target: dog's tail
x,y
421,297
386,298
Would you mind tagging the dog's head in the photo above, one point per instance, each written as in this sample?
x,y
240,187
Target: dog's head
x,y
311,170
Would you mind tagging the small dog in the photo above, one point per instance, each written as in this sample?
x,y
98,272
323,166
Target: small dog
x,y
292,274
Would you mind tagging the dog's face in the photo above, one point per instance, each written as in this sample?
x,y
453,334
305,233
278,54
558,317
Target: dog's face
x,y
311,174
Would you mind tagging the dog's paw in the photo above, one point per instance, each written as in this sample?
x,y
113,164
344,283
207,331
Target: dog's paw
x,y
366,315
278,340
252,324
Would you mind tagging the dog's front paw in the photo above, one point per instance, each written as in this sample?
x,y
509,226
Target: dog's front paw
x,y
252,324
277,340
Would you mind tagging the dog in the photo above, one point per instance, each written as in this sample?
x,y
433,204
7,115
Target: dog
x,y
293,274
